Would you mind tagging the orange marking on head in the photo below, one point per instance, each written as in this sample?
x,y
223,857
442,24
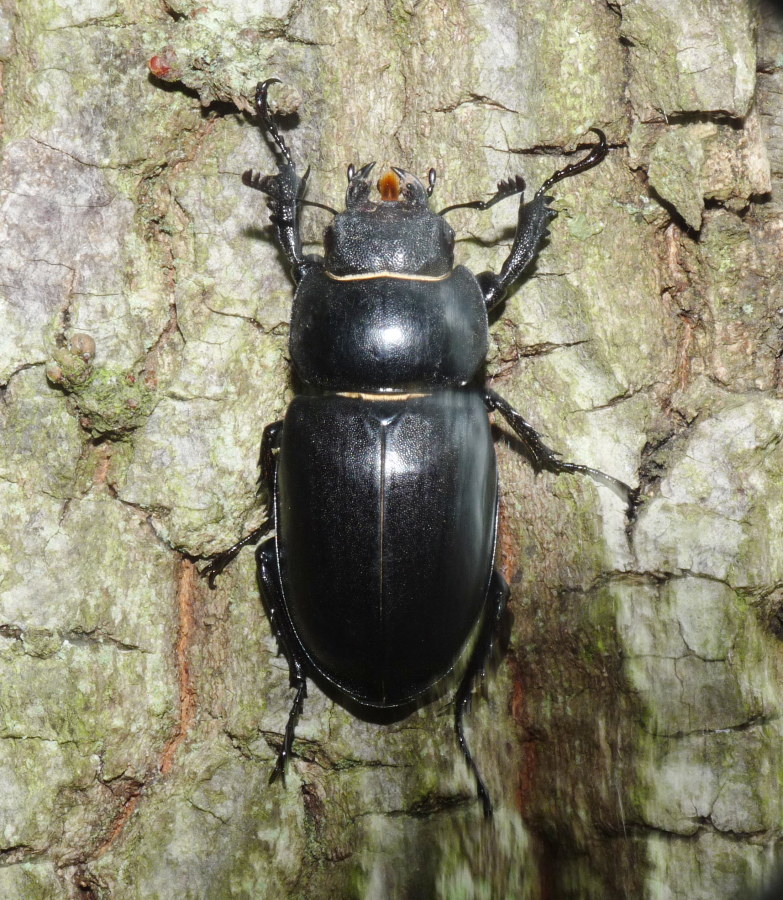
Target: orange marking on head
x,y
389,186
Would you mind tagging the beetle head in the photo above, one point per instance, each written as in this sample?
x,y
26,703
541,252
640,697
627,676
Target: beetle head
x,y
394,186
399,186
397,234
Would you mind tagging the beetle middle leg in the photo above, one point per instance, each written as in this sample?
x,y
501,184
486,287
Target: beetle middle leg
x,y
271,587
270,441
497,597
544,458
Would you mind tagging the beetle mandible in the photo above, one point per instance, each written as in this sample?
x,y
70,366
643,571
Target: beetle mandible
x,y
376,564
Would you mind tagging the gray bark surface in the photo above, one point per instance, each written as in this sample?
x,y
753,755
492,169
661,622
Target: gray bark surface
x,y
631,735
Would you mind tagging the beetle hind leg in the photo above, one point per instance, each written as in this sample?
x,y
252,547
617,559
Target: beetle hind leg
x,y
272,592
290,729
496,604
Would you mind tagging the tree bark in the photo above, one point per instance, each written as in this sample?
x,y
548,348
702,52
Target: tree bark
x,y
630,735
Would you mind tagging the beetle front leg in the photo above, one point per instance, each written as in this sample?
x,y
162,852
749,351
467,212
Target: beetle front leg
x,y
284,190
542,457
497,597
532,228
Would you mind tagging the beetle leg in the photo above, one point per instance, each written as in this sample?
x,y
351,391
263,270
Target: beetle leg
x,y
542,457
270,441
285,190
272,593
220,562
532,227
497,598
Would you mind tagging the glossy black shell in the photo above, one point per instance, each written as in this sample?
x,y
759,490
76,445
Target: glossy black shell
x,y
386,505
388,333
386,528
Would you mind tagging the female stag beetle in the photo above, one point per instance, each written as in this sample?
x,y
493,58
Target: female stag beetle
x,y
377,564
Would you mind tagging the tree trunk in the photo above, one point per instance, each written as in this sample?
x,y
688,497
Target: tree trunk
x,y
631,734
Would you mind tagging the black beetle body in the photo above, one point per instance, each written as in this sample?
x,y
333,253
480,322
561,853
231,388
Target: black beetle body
x,y
365,491
380,576
388,334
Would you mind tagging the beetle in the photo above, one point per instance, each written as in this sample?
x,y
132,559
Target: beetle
x,y
376,564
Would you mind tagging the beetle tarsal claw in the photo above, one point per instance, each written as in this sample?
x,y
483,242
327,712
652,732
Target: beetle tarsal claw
x,y
278,772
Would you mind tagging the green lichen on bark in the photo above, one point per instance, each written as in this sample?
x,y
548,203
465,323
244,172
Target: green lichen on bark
x,y
105,400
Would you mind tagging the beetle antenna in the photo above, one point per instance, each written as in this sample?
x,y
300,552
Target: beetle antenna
x,y
596,154
319,205
262,108
508,188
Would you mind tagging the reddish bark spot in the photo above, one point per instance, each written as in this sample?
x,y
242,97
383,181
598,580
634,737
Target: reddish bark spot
x,y
119,823
187,580
186,589
165,64
507,550
158,67
518,709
